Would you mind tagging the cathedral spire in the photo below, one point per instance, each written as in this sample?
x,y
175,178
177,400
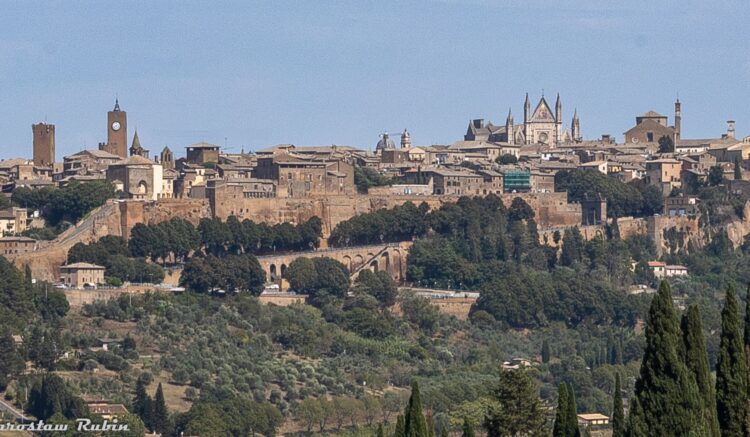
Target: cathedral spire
x,y
136,141
575,128
558,109
526,109
509,130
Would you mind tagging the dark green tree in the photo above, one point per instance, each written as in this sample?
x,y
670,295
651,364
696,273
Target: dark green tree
x,y
665,383
696,360
545,351
415,424
572,414
572,247
380,285
666,145
731,371
400,427
11,361
519,411
561,426
143,404
715,175
160,415
618,414
737,169
468,429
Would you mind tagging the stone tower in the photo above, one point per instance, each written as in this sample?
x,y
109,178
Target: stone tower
x,y
677,120
730,129
509,128
166,159
575,127
405,140
117,132
558,120
44,144
136,148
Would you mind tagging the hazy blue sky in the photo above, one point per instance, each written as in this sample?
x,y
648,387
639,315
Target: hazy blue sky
x,y
319,72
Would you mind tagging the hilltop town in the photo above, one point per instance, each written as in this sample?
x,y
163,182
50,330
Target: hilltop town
x,y
290,184
298,289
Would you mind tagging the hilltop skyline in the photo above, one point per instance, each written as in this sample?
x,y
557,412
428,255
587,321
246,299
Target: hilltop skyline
x,y
344,72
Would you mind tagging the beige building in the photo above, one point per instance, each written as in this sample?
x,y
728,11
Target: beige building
x,y
139,178
16,245
12,221
80,275
664,173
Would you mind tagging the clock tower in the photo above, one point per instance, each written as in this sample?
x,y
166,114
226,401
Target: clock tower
x,y
117,131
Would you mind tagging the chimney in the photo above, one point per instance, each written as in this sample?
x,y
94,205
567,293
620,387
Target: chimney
x,y
730,129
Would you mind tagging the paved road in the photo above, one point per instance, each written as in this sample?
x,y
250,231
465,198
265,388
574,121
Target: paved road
x,y
9,410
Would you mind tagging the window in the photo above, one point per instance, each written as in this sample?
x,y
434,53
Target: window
x,y
650,137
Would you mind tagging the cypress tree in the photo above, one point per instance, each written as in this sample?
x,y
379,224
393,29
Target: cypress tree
x,y
668,402
560,427
468,430
572,419
731,372
142,404
696,360
618,414
160,416
415,424
380,432
545,351
400,427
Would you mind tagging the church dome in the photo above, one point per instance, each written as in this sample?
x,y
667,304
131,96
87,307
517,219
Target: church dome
x,y
385,142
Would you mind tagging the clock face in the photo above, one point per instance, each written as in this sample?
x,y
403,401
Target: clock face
x,y
116,126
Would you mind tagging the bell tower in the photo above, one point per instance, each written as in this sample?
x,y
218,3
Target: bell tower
x,y
117,131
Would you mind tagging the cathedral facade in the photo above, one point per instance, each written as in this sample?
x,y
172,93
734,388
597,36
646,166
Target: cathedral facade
x,y
542,126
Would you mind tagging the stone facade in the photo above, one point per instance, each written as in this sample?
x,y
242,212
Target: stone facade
x,y
138,177
44,144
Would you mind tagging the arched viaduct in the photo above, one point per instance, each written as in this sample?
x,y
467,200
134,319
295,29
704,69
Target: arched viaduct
x,y
390,257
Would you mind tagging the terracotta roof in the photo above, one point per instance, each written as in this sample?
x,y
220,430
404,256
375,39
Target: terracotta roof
x,y
82,266
651,114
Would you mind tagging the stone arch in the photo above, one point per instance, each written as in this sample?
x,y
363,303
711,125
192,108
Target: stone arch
x,y
272,272
384,262
142,187
283,270
358,261
347,260
374,265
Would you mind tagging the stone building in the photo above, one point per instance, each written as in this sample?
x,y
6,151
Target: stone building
x,y
139,178
17,245
542,126
651,126
44,144
202,153
12,221
297,177
88,162
665,174
81,275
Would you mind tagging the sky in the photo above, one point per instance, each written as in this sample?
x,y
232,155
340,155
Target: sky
x,y
251,74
